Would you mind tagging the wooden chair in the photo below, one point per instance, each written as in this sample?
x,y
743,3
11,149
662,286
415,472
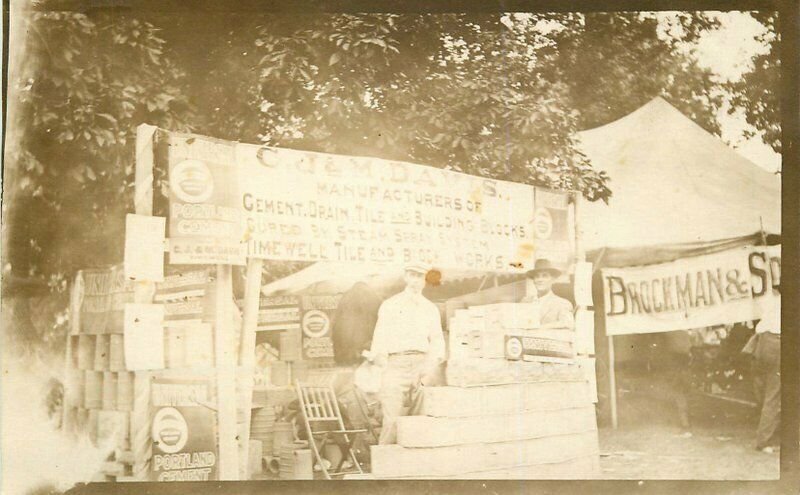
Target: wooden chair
x,y
324,424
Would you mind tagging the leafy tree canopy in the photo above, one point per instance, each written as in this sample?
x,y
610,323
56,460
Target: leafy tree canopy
x,y
492,94
757,92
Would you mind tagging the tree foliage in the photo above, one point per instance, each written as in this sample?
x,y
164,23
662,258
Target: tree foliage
x,y
757,92
615,62
492,94
89,81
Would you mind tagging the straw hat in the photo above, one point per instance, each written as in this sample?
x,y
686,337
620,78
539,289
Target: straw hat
x,y
418,267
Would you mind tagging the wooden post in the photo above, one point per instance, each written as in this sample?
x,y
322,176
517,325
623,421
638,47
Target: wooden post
x,y
252,296
142,445
612,382
75,298
580,255
225,376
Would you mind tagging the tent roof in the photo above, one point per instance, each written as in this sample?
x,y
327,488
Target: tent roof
x,y
328,277
673,183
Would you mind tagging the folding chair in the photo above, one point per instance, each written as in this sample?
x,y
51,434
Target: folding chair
x,y
324,424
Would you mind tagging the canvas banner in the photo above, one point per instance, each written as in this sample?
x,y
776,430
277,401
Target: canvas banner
x,y
315,207
231,200
714,289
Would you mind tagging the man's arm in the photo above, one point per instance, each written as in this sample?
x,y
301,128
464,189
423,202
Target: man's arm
x,y
379,337
436,352
566,318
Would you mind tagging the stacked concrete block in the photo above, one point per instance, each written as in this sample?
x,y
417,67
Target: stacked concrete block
x,y
529,418
540,429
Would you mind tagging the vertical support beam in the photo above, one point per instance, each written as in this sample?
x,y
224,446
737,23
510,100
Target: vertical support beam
x,y
75,299
225,376
612,382
145,158
580,254
247,358
142,445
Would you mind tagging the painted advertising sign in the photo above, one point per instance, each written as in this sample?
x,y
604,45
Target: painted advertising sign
x,y
317,325
183,431
231,200
713,289
204,215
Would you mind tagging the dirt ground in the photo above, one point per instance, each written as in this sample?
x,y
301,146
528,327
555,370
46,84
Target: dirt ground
x,y
650,444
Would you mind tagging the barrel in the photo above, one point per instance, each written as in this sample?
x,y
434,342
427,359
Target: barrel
x,y
74,391
86,347
125,391
287,460
81,420
92,425
116,359
93,398
101,353
109,390
282,434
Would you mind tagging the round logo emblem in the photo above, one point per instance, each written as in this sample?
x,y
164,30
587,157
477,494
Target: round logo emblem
x,y
543,223
191,181
170,431
316,323
514,348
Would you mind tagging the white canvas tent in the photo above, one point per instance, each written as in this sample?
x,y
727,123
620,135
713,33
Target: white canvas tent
x,y
328,277
678,191
673,183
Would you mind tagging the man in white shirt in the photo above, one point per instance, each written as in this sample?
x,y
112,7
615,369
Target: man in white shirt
x,y
767,373
408,343
554,311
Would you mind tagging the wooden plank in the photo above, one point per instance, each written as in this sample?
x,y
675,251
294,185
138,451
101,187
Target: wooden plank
x,y
426,431
226,360
504,399
396,460
252,295
141,423
145,158
612,382
585,467
101,353
141,443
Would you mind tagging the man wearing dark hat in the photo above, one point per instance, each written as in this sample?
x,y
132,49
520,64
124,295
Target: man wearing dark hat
x,y
408,342
554,311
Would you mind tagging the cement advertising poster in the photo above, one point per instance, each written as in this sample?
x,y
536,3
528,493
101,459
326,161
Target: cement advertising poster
x,y
317,325
183,431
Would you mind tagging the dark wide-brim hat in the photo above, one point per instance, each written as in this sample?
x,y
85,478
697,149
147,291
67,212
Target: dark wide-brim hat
x,y
543,265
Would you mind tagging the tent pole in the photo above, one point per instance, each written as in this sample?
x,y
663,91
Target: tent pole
x,y
483,282
612,381
580,255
